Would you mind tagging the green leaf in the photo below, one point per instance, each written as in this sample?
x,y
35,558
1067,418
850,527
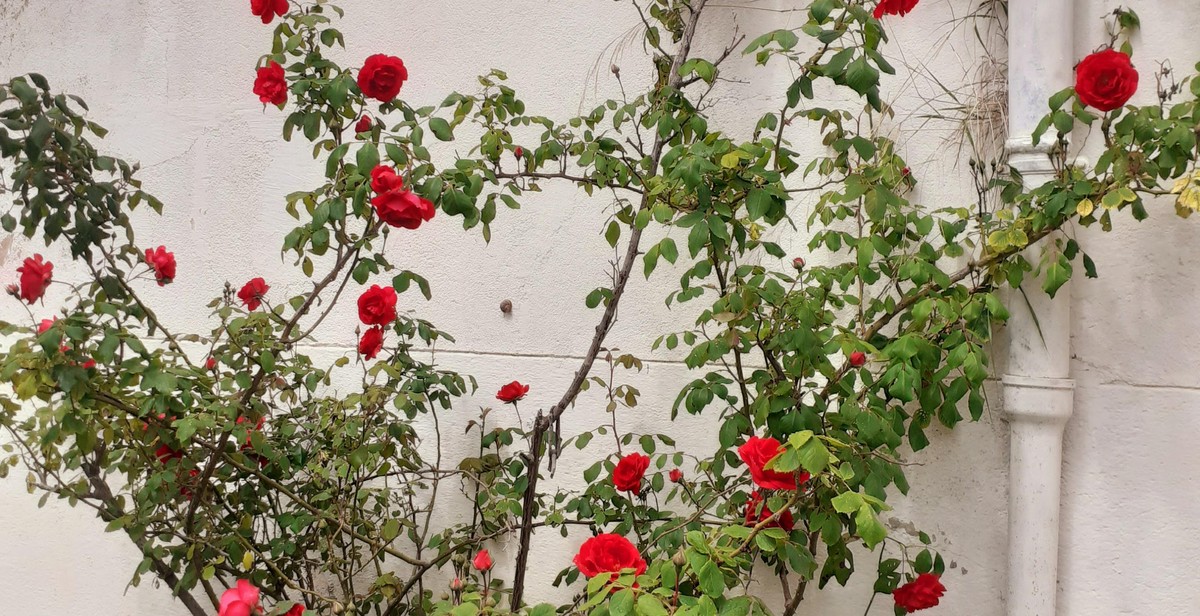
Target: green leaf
x,y
441,129
847,502
861,76
869,528
621,603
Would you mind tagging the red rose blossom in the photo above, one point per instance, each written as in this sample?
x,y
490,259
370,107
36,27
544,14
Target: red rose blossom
x,y
858,359
894,7
364,125
166,452
377,306
384,179
630,470
512,392
163,264
756,453
403,208
381,77
253,292
35,278
45,325
241,600
482,561
268,9
1105,80
371,343
269,85
296,610
608,554
676,475
757,511
920,593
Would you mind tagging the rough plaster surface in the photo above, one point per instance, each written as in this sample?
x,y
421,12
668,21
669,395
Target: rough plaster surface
x,y
171,80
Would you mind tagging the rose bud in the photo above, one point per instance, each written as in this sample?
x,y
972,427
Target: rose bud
x,y
456,584
798,263
858,359
676,475
482,561
519,152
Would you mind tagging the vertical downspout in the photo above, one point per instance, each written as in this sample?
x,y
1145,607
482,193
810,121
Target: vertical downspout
x,y
1038,393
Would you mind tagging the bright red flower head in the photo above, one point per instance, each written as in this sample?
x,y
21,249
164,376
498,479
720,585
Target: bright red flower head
x,y
268,9
166,452
384,179
377,306
371,343
519,152
858,359
894,7
270,85
1105,80
163,264
253,292
210,363
921,593
296,610
35,278
630,470
676,475
756,453
381,77
403,208
45,325
363,125
608,554
241,600
512,392
757,511
482,561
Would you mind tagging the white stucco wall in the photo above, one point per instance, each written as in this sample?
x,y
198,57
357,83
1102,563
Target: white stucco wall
x,y
171,80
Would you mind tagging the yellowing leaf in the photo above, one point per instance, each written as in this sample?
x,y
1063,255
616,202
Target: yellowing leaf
x,y
731,159
1085,208
247,560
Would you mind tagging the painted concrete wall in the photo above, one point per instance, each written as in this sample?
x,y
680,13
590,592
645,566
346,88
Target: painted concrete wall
x,y
171,80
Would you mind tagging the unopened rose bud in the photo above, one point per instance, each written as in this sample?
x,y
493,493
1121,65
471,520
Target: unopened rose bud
x,y
13,290
519,152
456,584
676,475
679,559
482,561
906,172
210,363
616,70
798,263
858,359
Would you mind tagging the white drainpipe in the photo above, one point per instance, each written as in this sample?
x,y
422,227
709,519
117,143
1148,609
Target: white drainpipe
x,y
1038,393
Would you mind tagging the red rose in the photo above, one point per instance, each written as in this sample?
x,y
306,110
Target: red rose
x,y
858,359
519,152
241,600
384,179
676,475
630,470
296,610
482,561
210,363
403,208
269,85
757,511
377,306
166,452
608,553
253,292
798,263
512,392
363,125
756,453
920,593
371,343
268,9
35,278
45,325
1105,80
894,7
163,264
381,77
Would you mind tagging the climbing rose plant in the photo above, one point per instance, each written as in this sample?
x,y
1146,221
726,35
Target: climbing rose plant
x,y
250,485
